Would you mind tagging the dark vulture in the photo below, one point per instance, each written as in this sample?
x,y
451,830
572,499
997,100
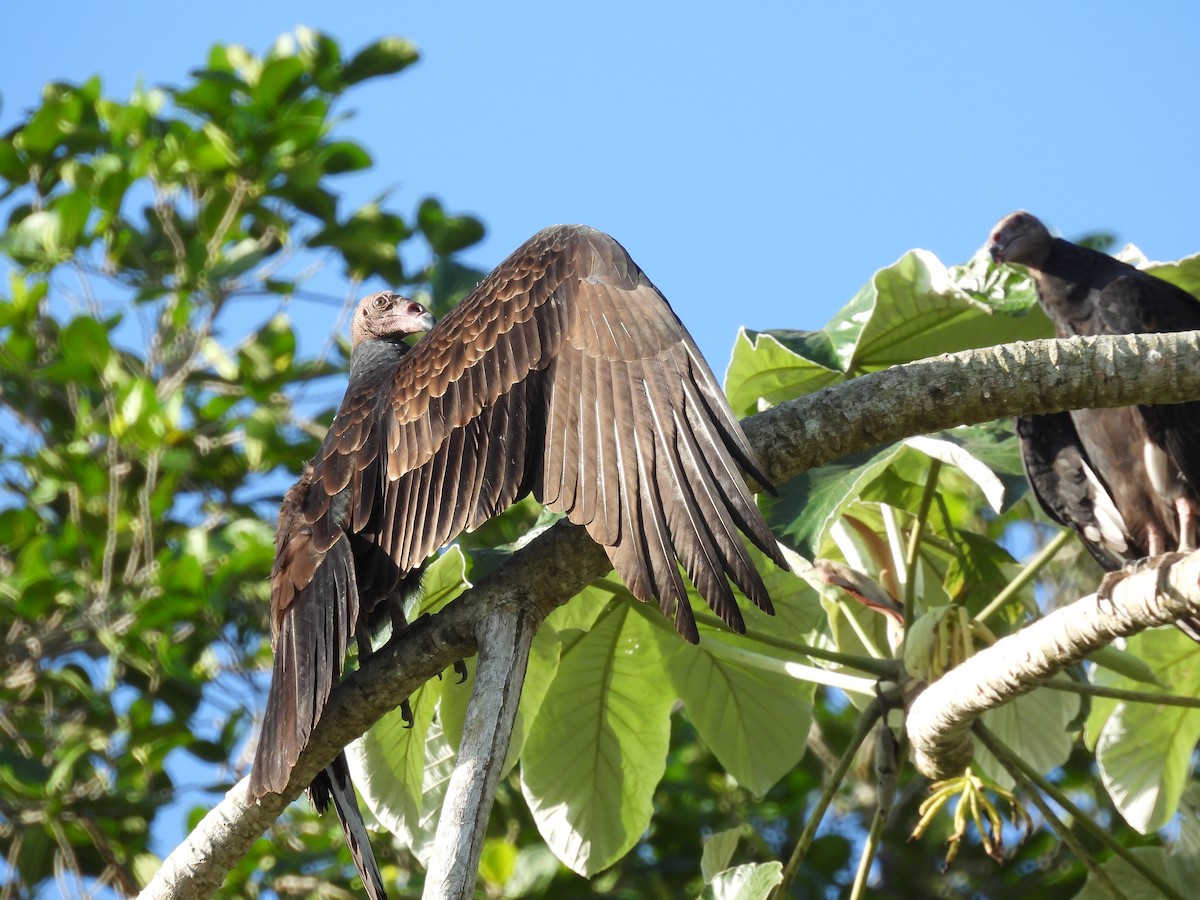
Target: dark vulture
x,y
1127,480
564,374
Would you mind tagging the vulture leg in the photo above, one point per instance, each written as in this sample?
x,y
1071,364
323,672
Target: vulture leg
x,y
1156,541
1186,510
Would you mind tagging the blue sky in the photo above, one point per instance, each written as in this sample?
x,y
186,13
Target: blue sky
x,y
758,164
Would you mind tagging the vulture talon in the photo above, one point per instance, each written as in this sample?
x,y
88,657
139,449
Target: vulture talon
x,y
460,666
564,374
406,713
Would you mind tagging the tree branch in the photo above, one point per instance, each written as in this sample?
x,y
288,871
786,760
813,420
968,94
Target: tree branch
x,y
505,636
929,395
939,720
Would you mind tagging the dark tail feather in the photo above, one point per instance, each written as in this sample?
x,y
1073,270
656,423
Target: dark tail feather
x,y
1190,627
333,783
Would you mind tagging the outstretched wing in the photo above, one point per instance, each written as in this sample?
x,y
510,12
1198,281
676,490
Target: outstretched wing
x,y
567,374
564,373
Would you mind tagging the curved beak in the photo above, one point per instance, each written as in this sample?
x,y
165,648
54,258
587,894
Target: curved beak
x,y
424,322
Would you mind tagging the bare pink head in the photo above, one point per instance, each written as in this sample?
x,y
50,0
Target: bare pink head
x,y
388,315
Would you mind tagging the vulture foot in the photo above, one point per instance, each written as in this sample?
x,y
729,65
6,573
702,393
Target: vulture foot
x,y
1160,564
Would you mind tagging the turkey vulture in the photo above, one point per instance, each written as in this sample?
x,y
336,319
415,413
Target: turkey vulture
x,y
1126,479
564,374
325,584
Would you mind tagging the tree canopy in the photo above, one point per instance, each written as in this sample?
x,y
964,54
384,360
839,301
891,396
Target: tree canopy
x,y
154,404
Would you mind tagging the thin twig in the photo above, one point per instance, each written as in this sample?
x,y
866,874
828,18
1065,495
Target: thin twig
x,y
866,721
870,847
1100,690
881,668
1007,758
1026,575
912,552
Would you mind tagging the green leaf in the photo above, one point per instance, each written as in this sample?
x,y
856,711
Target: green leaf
x,y
539,675
750,882
737,690
34,240
910,310
12,168
763,366
84,340
1184,273
277,79
447,234
1122,662
443,580
598,748
1144,751
384,57
439,767
1176,871
954,454
718,851
497,861
211,149
344,156
738,708
1034,727
914,309
811,502
388,764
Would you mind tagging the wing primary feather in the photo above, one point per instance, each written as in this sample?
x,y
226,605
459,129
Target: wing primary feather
x,y
733,438
664,572
693,542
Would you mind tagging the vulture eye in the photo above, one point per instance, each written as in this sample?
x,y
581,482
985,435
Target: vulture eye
x,y
382,301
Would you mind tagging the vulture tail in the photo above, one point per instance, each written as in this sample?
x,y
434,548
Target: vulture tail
x,y
333,783
310,650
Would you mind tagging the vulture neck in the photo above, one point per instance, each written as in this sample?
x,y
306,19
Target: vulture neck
x,y
370,359
1067,278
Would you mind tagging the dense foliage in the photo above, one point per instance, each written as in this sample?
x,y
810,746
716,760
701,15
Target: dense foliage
x,y
153,401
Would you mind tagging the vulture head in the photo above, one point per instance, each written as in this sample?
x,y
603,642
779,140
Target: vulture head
x,y
388,315
1020,239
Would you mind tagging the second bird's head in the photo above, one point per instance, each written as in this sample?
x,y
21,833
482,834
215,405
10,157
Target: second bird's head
x,y
1020,239
388,315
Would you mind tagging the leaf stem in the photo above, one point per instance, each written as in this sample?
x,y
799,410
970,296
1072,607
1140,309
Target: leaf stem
x,y
1011,760
1099,690
870,847
912,552
1026,575
883,668
866,722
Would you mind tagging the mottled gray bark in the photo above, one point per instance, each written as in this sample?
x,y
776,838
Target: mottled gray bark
x,y
939,720
505,637
929,395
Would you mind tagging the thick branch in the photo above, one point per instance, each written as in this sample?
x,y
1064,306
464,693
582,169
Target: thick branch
x,y
961,388
505,636
974,386
940,719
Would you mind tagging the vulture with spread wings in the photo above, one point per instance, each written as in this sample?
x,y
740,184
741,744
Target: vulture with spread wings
x,y
1127,480
564,374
